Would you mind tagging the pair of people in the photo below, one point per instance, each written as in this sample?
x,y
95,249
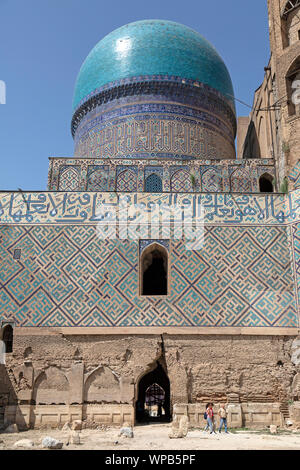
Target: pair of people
x,y
210,418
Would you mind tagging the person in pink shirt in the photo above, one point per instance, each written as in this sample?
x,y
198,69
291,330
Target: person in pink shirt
x,y
210,418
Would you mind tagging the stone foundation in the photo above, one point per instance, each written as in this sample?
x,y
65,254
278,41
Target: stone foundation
x,y
249,415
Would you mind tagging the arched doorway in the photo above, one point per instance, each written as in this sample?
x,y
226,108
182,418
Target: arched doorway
x,y
154,270
292,78
153,401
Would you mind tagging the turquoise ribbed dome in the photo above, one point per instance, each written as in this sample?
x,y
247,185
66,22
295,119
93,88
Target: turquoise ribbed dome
x,y
152,47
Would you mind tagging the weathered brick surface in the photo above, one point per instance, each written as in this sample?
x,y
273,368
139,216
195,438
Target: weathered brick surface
x,y
104,371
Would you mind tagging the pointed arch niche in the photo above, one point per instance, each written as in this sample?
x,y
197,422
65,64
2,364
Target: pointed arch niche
x,y
154,270
265,183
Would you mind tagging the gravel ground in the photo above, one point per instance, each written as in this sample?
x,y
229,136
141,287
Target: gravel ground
x,y
155,437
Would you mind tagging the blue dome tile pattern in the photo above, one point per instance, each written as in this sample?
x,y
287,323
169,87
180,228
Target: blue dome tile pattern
x,y
152,47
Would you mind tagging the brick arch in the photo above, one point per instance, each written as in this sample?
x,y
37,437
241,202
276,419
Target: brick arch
x,y
102,385
293,75
51,387
154,256
289,6
266,183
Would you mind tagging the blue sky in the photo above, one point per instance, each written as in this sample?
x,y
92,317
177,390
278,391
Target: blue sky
x,y
44,42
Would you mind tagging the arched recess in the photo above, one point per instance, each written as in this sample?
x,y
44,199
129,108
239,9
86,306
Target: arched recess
x,y
69,179
290,23
154,270
293,76
153,184
240,181
127,181
51,387
153,394
8,338
98,180
181,182
211,181
252,143
102,386
266,183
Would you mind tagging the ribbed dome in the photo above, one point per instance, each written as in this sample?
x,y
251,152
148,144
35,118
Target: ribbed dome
x,y
152,47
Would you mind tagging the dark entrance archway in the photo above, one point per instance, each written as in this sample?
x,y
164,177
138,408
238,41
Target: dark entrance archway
x,y
265,183
7,337
153,402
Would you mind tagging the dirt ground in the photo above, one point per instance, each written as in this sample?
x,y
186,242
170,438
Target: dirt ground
x,y
155,437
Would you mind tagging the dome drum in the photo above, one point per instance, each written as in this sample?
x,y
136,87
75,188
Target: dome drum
x,y
154,89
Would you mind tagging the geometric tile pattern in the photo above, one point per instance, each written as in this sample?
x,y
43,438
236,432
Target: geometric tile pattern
x,y
127,181
69,178
296,243
97,179
215,175
181,182
211,181
240,181
68,277
294,176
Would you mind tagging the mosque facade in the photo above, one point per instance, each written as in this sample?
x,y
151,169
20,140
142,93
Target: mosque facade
x,y
161,267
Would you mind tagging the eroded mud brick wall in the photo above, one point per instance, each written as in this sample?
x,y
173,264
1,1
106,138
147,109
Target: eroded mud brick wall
x,y
56,369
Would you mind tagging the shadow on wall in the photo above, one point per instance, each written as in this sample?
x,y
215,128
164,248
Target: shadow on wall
x,y
9,409
251,144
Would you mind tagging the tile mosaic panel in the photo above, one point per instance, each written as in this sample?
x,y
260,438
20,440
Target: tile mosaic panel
x,y
242,277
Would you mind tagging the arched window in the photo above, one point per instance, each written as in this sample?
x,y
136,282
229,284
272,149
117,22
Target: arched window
x,y
155,395
265,183
292,87
290,23
69,178
7,338
290,6
154,270
153,184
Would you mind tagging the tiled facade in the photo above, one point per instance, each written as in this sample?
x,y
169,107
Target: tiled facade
x,y
67,277
161,129
176,176
245,275
154,135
